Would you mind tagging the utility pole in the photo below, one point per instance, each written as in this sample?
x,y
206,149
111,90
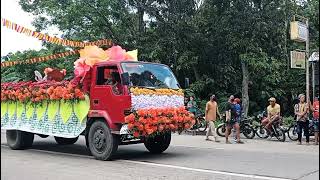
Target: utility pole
x,y
307,63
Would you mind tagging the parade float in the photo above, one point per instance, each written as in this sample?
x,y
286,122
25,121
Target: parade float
x,y
113,99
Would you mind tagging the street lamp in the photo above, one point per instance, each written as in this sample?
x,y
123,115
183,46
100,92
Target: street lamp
x,y
313,59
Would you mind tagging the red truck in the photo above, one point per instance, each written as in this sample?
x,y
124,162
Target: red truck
x,y
108,85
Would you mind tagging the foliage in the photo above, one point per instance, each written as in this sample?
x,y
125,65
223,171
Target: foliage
x,y
204,40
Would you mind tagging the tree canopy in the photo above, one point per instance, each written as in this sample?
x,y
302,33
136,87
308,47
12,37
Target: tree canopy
x,y
238,47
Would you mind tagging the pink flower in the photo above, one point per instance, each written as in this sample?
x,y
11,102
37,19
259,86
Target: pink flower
x,y
80,67
116,53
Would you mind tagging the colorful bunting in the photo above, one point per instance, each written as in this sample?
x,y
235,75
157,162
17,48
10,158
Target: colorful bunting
x,y
39,59
55,40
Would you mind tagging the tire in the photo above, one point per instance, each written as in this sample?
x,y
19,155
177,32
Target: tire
x,y
158,143
293,132
102,143
261,132
248,131
19,139
202,124
66,141
280,134
221,130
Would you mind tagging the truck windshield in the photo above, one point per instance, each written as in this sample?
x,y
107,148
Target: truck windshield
x,y
150,75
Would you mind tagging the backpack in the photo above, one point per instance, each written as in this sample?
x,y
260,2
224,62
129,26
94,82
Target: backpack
x,y
238,110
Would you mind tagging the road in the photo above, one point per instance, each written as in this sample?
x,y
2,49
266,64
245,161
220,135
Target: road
x,y
188,158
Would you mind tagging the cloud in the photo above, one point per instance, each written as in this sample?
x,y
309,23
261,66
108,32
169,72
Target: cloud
x,y
11,41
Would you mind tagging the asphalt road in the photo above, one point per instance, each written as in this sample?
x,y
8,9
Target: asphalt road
x,y
189,157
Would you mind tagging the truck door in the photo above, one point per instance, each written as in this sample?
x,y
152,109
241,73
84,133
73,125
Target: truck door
x,y
108,94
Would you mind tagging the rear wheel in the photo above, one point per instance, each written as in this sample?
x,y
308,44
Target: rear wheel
x,y
66,141
158,143
102,143
280,134
19,139
221,130
248,131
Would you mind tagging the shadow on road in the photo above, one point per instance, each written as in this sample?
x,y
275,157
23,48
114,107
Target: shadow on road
x,y
125,152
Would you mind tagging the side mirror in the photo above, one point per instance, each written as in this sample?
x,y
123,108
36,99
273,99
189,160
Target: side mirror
x,y
186,83
125,79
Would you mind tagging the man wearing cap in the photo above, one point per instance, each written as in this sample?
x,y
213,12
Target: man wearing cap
x,y
273,112
301,112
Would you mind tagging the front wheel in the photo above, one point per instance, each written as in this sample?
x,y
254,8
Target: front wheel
x,y
202,124
19,139
66,141
261,132
293,132
102,143
248,131
221,130
158,143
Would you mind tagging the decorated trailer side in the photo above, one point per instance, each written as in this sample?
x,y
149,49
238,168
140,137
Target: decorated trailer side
x,y
113,100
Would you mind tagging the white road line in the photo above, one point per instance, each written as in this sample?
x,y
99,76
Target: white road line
x,y
206,171
168,166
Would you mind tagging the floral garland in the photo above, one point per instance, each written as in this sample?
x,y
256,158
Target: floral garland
x,y
146,122
41,91
144,91
143,98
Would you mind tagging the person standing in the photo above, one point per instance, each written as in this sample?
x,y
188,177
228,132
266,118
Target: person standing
x,y
192,105
301,112
211,113
231,119
315,109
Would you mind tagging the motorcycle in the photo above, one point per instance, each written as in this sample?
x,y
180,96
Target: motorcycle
x,y
245,128
259,129
293,130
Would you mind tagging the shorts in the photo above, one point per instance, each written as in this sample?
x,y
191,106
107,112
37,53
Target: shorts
x,y
316,125
232,122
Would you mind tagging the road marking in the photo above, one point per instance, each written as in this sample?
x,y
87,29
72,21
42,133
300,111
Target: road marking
x,y
206,170
167,166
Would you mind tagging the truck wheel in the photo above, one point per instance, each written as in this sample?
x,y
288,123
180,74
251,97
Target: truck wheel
x,y
43,136
66,141
102,144
158,143
19,139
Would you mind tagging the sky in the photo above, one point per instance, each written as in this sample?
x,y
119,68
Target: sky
x,y
12,41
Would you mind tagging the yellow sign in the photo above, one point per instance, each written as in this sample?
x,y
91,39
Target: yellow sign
x,y
298,60
298,31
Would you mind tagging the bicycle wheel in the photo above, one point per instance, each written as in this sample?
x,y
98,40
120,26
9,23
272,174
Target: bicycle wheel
x,y
293,132
221,130
248,131
261,132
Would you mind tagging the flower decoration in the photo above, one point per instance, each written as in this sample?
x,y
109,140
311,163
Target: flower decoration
x,y
146,122
93,55
41,91
80,68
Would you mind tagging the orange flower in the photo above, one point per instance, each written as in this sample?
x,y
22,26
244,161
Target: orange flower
x,y
130,126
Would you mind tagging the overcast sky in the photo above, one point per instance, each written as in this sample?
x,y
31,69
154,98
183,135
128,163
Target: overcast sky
x,y
11,41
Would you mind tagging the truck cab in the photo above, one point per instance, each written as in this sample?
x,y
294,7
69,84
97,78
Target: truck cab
x,y
108,84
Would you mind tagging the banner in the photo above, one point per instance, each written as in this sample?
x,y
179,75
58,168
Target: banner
x,y
39,59
54,40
